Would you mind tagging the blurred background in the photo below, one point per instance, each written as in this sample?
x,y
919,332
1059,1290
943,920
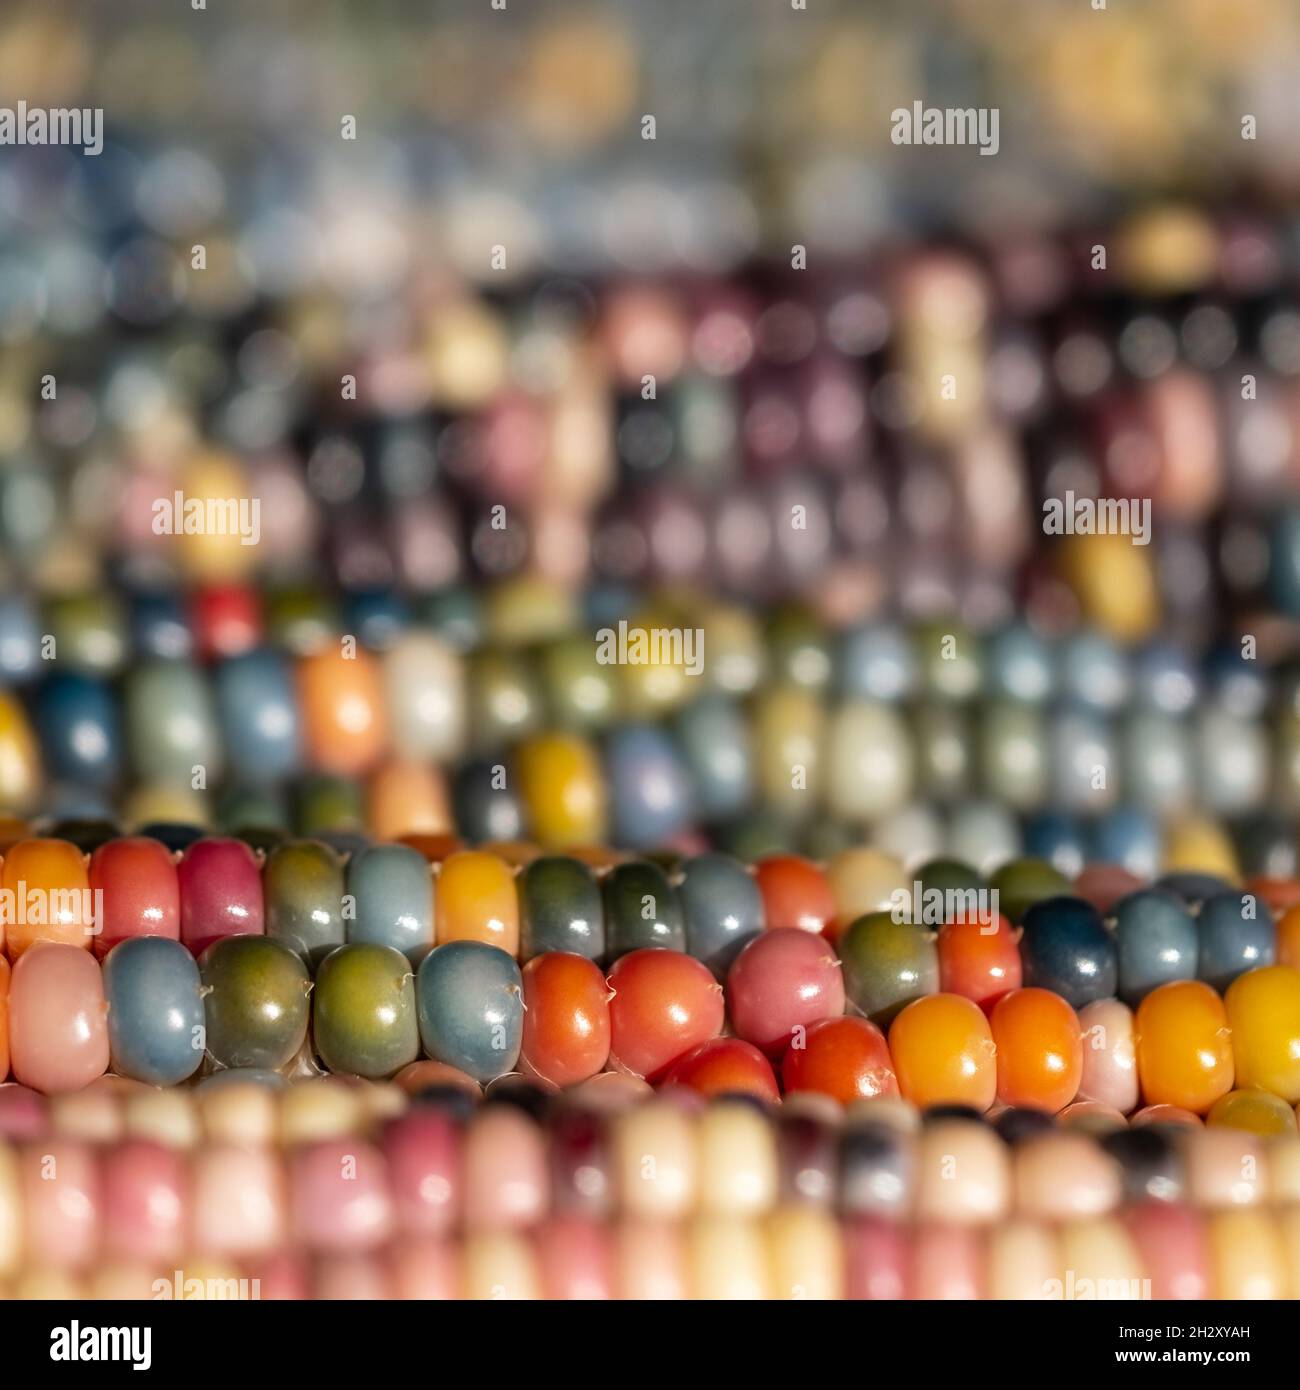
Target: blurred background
x,y
590,383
